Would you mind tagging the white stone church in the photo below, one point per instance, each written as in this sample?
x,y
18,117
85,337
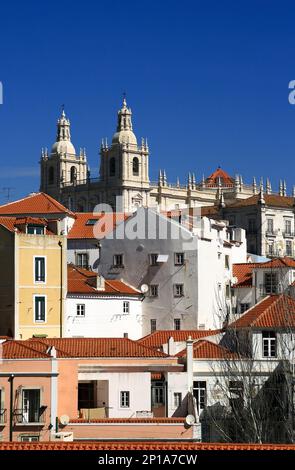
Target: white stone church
x,y
124,172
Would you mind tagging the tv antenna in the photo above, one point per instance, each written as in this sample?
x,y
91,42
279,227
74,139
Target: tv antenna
x,y
7,192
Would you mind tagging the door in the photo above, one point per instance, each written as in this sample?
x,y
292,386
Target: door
x,y
31,405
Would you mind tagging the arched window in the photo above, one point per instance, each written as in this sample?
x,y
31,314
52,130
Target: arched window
x,y
73,174
51,175
112,166
135,166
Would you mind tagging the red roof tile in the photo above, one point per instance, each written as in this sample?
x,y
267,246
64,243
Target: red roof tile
x,y
272,200
13,349
129,420
14,224
141,445
275,311
83,230
285,262
96,347
222,176
243,273
204,349
82,281
160,337
37,203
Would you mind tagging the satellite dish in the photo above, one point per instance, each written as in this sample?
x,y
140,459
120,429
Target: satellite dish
x,y
64,420
190,420
144,288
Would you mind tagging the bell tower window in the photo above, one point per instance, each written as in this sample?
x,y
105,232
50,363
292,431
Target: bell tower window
x,y
51,175
73,174
135,166
112,166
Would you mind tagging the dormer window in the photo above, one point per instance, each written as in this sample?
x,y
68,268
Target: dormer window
x,y
35,229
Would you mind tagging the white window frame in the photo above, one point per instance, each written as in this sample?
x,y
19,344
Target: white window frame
x,y
154,320
268,341
34,308
78,309
118,265
82,253
175,288
152,286
177,399
45,269
123,398
178,255
126,307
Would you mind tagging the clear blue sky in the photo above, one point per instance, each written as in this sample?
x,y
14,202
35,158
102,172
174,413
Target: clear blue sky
x,y
207,82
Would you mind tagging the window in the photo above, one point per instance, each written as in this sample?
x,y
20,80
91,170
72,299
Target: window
x,y
227,291
244,307
199,392
226,261
252,226
82,260
269,344
27,438
158,394
288,248
153,325
154,290
80,310
126,307
112,166
153,259
236,395
288,227
118,261
177,399
270,283
178,259
39,269
40,308
270,226
270,249
30,412
87,394
73,174
176,323
124,399
91,221
35,229
178,290
135,166
51,175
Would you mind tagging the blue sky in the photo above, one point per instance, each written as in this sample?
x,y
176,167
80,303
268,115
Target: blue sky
x,y
207,82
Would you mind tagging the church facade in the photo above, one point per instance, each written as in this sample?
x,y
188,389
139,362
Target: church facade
x,y
124,173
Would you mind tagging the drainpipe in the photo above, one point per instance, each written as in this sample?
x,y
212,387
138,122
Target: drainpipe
x,y
189,363
61,290
11,379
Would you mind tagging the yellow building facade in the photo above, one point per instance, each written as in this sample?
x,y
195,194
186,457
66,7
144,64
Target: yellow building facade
x,y
33,284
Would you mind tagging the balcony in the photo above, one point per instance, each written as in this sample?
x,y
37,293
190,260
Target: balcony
x,y
31,416
271,232
3,416
288,234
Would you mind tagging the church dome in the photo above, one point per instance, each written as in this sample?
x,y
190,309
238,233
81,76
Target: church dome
x,y
63,146
124,137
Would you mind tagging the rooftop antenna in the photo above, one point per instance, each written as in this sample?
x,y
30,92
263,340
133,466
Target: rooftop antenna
x,y
8,190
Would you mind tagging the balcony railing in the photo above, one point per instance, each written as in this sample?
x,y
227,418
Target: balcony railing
x,y
3,415
268,290
288,234
30,416
271,232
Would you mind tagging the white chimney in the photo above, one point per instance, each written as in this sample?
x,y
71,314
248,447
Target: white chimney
x,y
189,363
100,282
171,346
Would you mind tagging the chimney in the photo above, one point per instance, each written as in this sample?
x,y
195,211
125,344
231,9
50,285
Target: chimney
x,y
100,282
171,346
125,335
189,363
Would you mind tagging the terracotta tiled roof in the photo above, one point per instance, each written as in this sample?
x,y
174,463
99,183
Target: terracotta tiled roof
x,y
141,445
37,203
243,273
82,281
204,349
272,200
12,349
274,311
222,176
14,224
96,347
160,337
130,420
284,262
82,228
